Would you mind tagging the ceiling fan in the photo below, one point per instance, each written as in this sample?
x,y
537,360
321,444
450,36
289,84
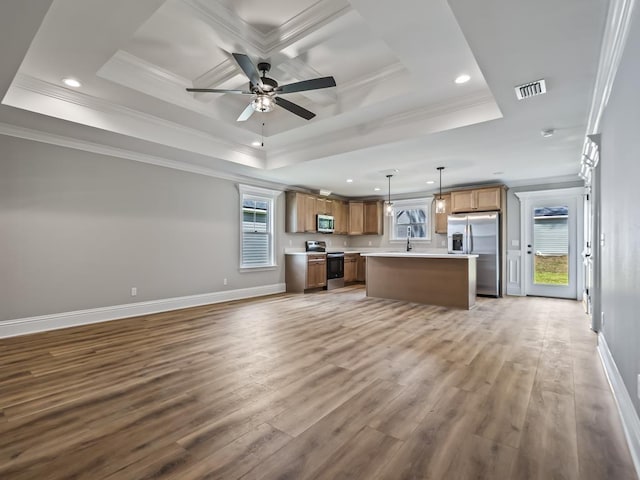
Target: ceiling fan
x,y
265,90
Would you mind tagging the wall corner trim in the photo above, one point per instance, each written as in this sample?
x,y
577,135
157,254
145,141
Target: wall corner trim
x,y
628,414
42,323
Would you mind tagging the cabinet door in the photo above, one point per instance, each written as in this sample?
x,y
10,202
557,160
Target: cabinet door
x,y
316,271
295,212
488,199
350,267
310,213
356,218
344,207
462,201
321,206
372,218
441,218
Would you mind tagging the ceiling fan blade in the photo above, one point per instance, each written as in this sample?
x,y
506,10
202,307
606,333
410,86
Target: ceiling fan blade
x,y
313,84
293,108
246,113
249,69
218,90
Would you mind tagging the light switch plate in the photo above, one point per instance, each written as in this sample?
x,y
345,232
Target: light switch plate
x,y
515,243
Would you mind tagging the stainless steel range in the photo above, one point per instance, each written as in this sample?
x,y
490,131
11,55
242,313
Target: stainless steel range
x,y
335,263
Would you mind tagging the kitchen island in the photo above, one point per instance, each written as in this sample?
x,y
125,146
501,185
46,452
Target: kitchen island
x,y
434,279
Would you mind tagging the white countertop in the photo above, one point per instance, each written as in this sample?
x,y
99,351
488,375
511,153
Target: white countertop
x,y
418,255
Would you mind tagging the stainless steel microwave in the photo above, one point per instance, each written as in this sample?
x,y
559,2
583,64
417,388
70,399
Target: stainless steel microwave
x,y
325,224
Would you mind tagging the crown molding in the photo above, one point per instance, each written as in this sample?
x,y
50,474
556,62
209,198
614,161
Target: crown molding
x,y
311,19
215,76
614,40
137,74
142,125
101,149
222,19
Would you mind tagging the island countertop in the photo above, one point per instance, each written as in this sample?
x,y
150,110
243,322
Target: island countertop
x,y
419,255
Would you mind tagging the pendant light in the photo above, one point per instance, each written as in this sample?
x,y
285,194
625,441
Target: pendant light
x,y
388,206
440,202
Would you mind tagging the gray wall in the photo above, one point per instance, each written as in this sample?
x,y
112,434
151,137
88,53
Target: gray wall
x,y
620,220
78,230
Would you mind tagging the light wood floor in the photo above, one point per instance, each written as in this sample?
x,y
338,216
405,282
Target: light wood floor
x,y
329,385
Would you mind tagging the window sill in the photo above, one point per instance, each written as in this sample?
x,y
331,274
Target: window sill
x,y
261,268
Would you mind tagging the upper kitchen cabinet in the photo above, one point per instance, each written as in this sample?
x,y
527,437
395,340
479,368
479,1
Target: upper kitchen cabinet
x,y
341,217
477,200
365,218
301,213
373,218
442,218
356,218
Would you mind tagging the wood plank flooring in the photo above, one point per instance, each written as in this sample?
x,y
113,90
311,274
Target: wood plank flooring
x,y
329,385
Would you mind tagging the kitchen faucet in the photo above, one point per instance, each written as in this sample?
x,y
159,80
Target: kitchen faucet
x,y
409,247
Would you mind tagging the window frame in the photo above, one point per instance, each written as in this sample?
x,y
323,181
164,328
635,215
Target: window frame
x,y
427,202
270,196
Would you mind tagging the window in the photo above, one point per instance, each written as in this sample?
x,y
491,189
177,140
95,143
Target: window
x,y
413,217
256,235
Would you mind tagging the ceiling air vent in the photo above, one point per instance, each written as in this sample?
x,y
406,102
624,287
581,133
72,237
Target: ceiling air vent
x,y
531,89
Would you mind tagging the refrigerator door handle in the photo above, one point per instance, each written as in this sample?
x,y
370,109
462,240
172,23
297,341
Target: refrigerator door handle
x,y
470,240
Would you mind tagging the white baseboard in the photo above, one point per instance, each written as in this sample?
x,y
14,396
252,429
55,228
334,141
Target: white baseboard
x,y
628,414
23,326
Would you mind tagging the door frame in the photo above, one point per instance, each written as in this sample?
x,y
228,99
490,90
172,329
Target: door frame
x,y
526,201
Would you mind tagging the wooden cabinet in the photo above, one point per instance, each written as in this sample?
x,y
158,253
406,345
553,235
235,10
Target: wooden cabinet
x,y
304,272
441,218
478,200
351,218
356,218
316,271
341,217
311,210
372,218
351,267
361,273
365,218
301,212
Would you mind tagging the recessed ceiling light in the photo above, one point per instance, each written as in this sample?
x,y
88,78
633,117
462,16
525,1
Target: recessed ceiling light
x,y
429,182
548,132
377,189
462,79
71,82
256,143
349,180
498,173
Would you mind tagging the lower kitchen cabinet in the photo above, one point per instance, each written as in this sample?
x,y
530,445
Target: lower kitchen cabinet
x,y
351,267
304,272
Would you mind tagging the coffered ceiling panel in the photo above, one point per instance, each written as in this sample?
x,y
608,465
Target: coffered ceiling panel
x,y
395,105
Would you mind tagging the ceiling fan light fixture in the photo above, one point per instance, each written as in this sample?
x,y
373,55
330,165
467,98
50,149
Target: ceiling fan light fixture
x,y
263,103
441,206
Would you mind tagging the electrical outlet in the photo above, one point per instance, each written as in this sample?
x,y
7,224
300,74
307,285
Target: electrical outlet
x,y
290,242
224,281
369,242
134,291
329,242
345,243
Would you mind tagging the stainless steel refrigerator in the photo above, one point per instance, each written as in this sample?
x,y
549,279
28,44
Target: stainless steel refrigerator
x,y
478,233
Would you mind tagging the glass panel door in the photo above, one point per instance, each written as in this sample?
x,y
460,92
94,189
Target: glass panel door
x,y
551,248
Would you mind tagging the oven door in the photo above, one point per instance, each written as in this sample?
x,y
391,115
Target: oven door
x,y
335,265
